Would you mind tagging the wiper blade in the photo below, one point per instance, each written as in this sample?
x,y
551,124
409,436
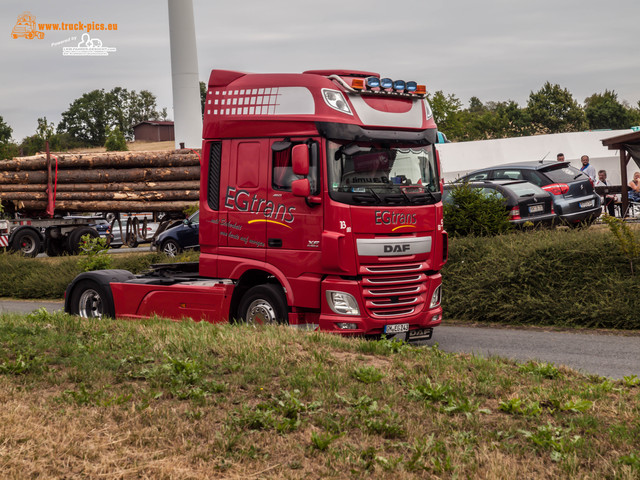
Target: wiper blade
x,y
373,197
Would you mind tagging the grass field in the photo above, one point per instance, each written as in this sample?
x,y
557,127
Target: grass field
x,y
160,399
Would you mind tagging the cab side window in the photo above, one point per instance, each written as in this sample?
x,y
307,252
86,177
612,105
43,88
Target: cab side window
x,y
282,172
282,175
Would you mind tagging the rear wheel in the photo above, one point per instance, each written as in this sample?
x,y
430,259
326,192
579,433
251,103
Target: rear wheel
x,y
264,304
170,248
90,300
27,242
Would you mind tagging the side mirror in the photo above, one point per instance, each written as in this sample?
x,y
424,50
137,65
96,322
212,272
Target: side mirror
x,y
301,188
186,221
300,159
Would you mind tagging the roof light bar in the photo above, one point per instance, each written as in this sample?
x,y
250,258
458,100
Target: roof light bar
x,y
399,85
386,83
373,82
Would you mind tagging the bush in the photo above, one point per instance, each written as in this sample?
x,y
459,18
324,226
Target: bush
x,y
116,141
473,212
566,277
23,277
94,254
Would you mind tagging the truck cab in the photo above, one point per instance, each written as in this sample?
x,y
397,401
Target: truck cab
x,y
320,207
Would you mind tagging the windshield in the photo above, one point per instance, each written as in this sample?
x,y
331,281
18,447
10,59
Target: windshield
x,y
375,174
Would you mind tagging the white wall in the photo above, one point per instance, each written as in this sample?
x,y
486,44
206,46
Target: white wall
x,y
461,158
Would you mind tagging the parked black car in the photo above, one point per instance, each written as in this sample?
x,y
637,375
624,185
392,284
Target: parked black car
x,y
574,199
181,237
524,201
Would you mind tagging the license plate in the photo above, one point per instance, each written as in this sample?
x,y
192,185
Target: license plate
x,y
536,208
587,204
420,334
396,328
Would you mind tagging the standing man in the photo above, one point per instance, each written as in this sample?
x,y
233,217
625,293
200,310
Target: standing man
x,y
588,169
560,157
609,200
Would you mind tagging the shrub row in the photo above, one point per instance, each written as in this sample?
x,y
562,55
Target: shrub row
x,y
576,278
22,277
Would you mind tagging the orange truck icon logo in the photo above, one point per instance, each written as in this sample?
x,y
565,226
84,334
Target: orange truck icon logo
x,y
26,27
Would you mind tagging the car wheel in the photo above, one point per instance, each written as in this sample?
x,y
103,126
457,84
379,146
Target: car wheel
x,y
264,304
27,242
90,300
170,248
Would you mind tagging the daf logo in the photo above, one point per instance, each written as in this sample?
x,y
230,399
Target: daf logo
x,y
405,247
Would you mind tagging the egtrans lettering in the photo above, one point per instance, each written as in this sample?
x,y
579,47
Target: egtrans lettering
x,y
385,217
242,201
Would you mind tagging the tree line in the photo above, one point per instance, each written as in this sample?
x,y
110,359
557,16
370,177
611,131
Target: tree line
x,y
90,120
552,109
98,115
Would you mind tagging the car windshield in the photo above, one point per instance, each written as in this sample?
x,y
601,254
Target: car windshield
x,y
366,173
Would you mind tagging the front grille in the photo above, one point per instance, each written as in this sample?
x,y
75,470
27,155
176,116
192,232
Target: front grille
x,y
396,290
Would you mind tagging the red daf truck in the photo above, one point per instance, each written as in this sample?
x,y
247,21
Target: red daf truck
x,y
320,207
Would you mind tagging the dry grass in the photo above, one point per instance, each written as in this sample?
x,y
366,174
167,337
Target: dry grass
x,y
160,399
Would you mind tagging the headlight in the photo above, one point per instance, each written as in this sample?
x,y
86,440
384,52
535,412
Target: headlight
x,y
4,225
336,100
436,298
342,303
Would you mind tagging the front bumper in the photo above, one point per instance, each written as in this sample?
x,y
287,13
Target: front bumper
x,y
367,323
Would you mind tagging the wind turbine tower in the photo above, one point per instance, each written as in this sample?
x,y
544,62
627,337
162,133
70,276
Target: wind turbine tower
x,y
187,112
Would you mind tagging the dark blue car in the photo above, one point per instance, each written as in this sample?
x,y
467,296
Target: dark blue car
x,y
181,237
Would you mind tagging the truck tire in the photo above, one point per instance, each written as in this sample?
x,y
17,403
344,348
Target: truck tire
x,y
27,242
264,304
90,300
75,238
170,248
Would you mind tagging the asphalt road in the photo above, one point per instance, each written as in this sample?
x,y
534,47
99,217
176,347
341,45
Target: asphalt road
x,y
608,355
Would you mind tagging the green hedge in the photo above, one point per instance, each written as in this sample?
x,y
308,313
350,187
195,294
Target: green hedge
x,y
549,277
22,277
575,278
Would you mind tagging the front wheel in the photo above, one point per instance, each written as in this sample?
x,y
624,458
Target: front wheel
x,y
264,304
90,300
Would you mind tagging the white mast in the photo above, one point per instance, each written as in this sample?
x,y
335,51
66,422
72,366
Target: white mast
x,y
184,74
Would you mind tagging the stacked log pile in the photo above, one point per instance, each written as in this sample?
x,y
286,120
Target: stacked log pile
x,y
166,181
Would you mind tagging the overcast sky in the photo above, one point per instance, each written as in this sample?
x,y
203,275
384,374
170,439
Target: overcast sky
x,y
494,49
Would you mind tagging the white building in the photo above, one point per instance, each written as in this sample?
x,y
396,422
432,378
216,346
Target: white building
x,y
461,158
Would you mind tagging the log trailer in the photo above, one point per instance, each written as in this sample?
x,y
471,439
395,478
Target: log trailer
x,y
46,198
320,207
